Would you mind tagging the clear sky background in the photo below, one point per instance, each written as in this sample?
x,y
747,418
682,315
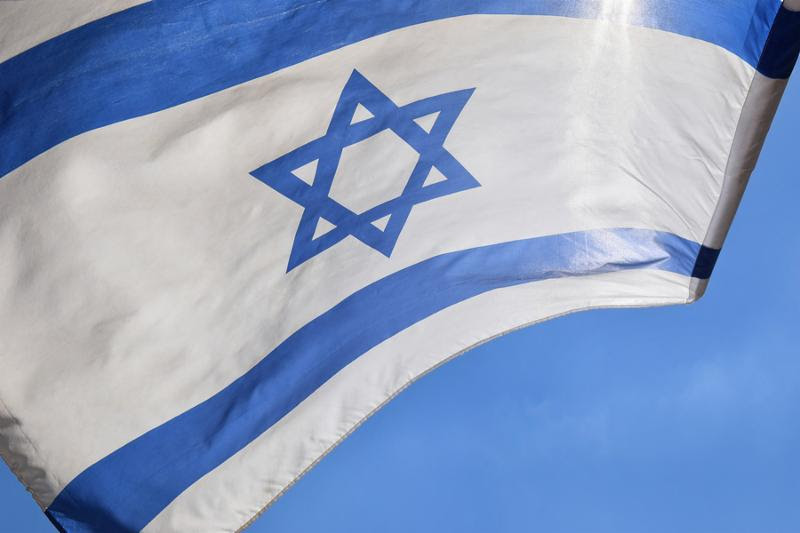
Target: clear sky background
x,y
680,419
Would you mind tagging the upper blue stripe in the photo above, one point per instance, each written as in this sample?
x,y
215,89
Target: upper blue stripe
x,y
166,52
782,47
128,488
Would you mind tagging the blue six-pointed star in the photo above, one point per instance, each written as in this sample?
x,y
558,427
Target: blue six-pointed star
x,y
343,132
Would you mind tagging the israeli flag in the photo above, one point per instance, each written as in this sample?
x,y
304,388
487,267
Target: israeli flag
x,y
231,230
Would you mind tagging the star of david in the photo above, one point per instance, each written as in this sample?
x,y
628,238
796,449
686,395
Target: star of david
x,y
345,130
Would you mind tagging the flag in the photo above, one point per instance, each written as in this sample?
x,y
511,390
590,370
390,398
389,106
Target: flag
x,y
230,231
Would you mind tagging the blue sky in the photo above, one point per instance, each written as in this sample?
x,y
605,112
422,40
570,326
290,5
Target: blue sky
x,y
660,420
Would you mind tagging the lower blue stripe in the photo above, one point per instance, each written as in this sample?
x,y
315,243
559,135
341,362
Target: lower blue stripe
x,y
127,489
167,52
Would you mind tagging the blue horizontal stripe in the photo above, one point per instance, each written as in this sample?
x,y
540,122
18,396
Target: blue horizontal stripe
x,y
128,488
167,52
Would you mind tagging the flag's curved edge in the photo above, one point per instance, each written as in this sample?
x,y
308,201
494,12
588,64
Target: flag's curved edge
x,y
423,374
126,65
18,462
129,487
755,119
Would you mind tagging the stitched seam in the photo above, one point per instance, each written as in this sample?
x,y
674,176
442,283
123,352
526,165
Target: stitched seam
x,y
725,175
736,132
